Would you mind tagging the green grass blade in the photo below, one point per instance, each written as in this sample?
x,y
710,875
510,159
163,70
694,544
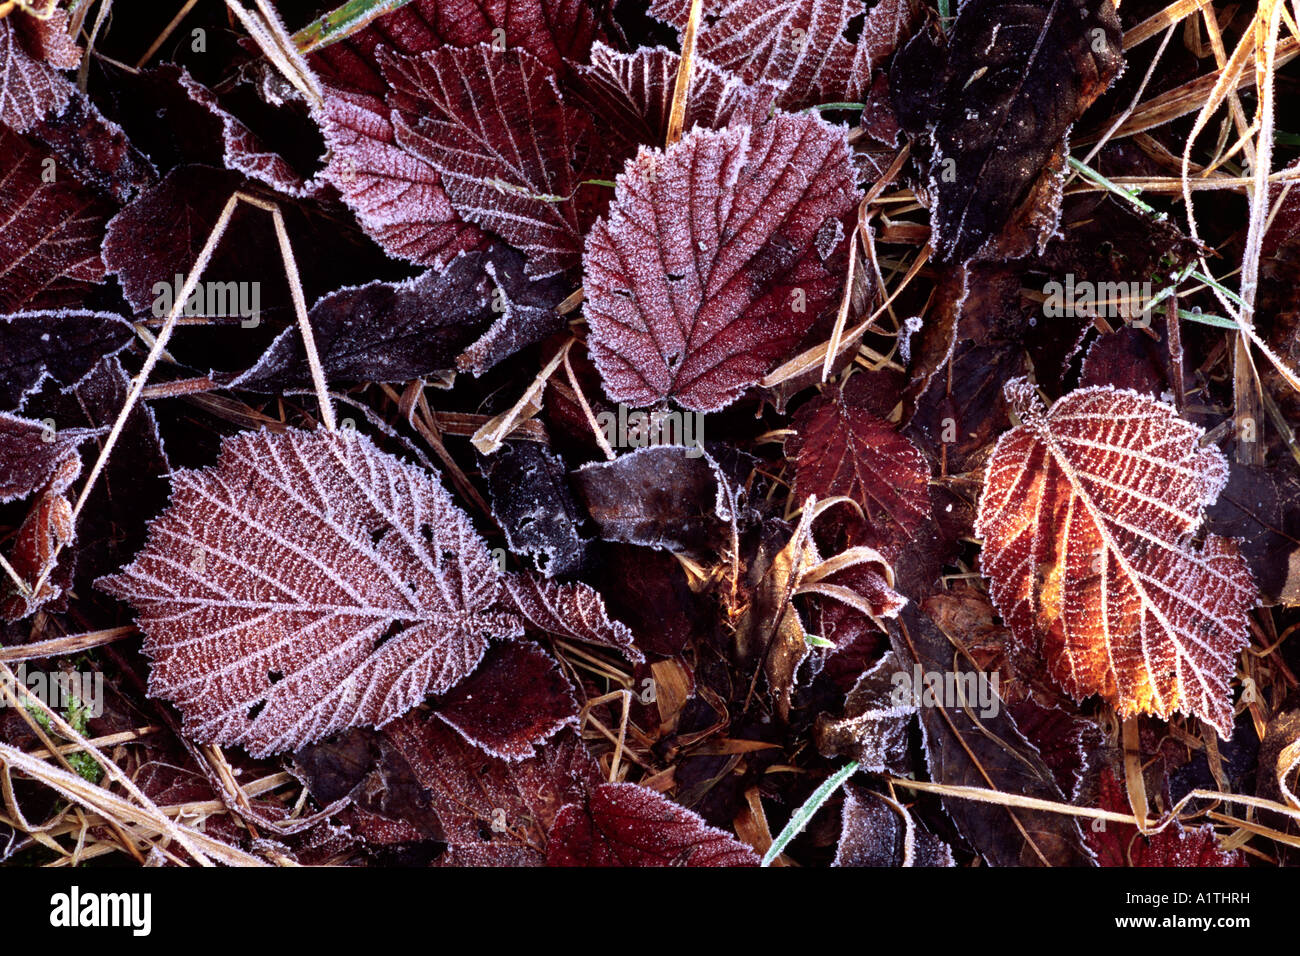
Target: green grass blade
x,y
805,812
342,22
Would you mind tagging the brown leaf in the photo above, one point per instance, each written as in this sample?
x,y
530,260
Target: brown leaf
x,y
998,111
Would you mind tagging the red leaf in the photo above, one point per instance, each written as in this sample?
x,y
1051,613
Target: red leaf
x,y
49,240
550,30
842,450
512,156
493,812
572,610
623,824
397,197
29,89
711,265
517,698
1087,514
307,583
630,95
32,455
800,44
1120,844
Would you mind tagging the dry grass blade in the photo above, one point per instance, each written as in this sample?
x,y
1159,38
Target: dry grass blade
x,y
149,819
70,644
682,86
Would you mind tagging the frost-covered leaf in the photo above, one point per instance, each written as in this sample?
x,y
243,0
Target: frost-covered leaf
x,y
622,824
630,96
998,108
397,197
47,37
384,331
653,497
63,346
493,812
32,454
804,45
511,154
36,458
566,609
1126,358
533,504
516,699
307,583
873,833
244,151
839,449
712,263
553,31
1120,844
873,730
1087,514
50,236
29,88
525,308
92,148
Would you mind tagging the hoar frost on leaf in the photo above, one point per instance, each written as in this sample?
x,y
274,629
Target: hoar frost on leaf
x,y
630,96
874,833
62,345
801,44
50,237
1087,517
398,198
516,699
623,824
307,583
711,265
511,154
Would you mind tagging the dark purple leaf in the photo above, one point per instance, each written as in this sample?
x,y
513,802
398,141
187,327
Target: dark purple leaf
x,y
63,346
